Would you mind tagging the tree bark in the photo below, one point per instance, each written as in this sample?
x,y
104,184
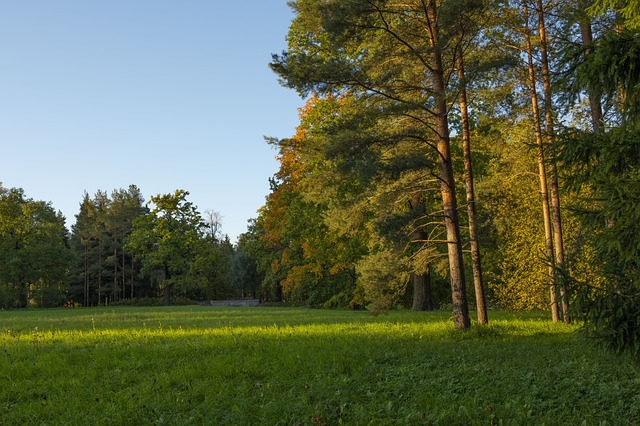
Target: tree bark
x,y
167,294
544,191
447,185
422,292
471,202
558,237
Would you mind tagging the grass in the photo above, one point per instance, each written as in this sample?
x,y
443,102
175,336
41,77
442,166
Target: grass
x,y
268,366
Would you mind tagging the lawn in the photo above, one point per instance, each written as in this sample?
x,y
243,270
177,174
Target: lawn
x,y
266,366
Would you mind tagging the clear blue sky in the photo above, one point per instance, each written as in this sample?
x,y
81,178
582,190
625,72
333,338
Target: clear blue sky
x,y
162,94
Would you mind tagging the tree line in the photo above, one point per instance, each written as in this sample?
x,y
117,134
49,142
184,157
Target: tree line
x,y
120,250
454,145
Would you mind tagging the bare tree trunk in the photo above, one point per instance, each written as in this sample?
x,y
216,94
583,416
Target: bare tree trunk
x,y
448,189
544,192
558,237
471,202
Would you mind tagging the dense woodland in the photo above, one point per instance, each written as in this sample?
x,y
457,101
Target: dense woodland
x,y
458,154
120,250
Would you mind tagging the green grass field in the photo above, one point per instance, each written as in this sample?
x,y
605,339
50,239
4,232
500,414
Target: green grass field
x,y
268,366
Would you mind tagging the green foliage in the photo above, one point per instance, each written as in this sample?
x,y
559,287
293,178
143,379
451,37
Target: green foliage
x,y
167,240
605,168
612,316
383,279
511,231
244,273
33,252
629,10
613,67
203,365
104,272
212,270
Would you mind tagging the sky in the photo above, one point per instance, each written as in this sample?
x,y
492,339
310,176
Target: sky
x,y
162,94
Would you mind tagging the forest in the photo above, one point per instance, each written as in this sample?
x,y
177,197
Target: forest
x,y
120,250
467,155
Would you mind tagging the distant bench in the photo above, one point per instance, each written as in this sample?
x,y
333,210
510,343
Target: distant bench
x,y
242,302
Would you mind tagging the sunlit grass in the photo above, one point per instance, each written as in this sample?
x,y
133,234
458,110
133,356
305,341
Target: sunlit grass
x,y
203,365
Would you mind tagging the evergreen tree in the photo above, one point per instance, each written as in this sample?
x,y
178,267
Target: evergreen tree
x,y
602,165
104,272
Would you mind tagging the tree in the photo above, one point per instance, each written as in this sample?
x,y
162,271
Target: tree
x,y
603,168
542,165
629,10
396,57
476,263
33,251
166,241
124,208
104,272
309,263
558,237
244,272
80,280
211,269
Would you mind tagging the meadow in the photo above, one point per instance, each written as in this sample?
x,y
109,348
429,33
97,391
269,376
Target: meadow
x,y
287,366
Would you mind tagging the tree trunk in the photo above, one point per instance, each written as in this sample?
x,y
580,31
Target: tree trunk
x,y
447,186
23,295
595,102
422,292
167,294
558,237
544,192
471,202
124,270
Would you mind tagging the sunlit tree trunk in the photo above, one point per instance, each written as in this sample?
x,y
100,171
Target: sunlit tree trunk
x,y
544,191
558,237
471,202
448,189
